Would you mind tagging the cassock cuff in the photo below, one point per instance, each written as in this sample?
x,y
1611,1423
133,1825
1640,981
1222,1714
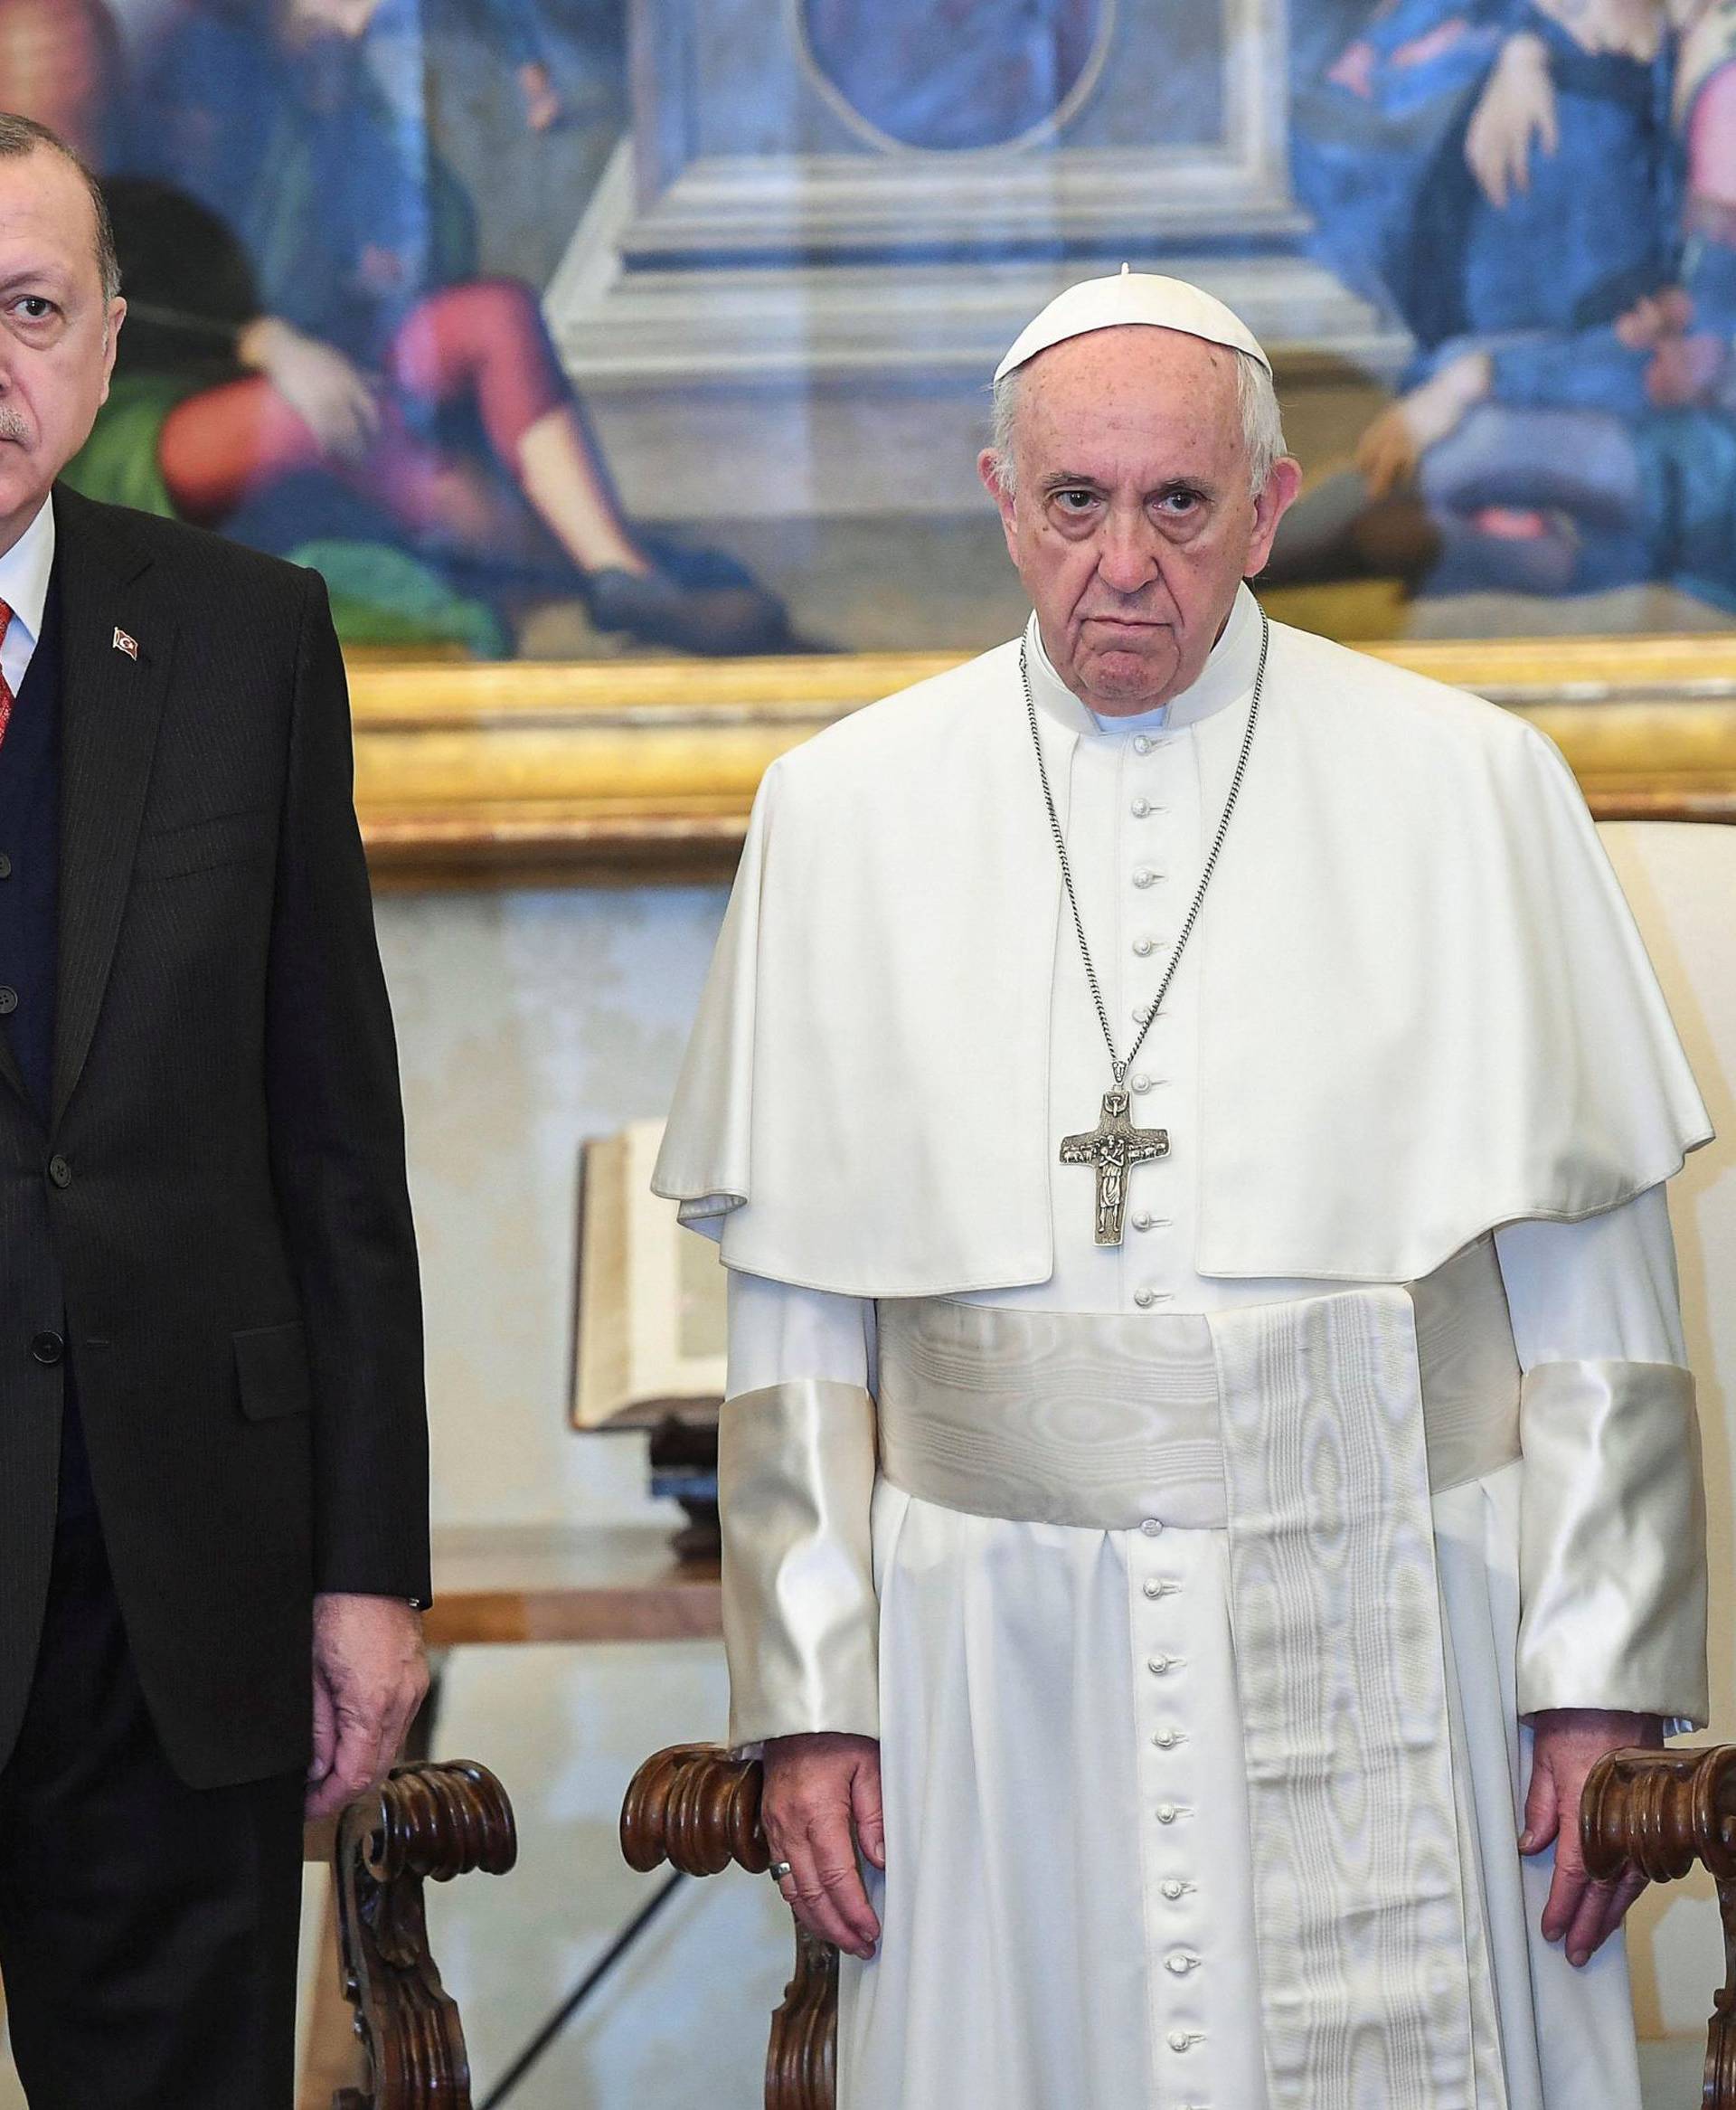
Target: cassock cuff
x,y
1612,1541
796,1485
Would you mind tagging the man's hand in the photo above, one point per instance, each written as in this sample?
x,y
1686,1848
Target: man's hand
x,y
370,1674
330,394
1568,1742
822,1800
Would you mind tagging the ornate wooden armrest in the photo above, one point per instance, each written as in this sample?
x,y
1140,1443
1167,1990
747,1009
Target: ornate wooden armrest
x,y
698,1809
1662,1811
428,1820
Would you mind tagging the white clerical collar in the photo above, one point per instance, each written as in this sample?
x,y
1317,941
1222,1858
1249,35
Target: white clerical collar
x,y
25,568
1227,678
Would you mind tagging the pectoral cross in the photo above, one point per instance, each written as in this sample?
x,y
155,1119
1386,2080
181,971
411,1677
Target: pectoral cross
x,y
1114,1146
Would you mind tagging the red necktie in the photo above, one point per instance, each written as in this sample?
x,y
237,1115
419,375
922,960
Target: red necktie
x,y
6,699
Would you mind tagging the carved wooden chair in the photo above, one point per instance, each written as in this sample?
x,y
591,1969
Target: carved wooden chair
x,y
429,1820
698,1809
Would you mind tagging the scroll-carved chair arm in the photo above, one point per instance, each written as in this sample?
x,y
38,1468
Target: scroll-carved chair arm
x,y
1662,1812
698,1809
428,1821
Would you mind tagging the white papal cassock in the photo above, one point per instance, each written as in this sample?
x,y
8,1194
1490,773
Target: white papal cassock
x,y
1415,1042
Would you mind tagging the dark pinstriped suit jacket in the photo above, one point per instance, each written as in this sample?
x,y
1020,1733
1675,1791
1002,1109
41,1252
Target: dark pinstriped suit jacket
x,y
217,1203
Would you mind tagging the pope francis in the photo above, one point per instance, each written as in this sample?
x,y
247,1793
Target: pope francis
x,y
1209,1463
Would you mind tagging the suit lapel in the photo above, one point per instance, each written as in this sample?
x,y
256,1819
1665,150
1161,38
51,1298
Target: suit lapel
x,y
110,703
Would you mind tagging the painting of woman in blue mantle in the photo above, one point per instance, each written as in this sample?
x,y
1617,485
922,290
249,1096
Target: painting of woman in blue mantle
x,y
1493,166
1565,425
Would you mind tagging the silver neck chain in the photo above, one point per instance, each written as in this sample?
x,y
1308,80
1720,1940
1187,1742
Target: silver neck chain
x,y
1117,1064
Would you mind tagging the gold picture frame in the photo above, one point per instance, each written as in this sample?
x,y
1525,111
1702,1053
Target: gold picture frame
x,y
631,772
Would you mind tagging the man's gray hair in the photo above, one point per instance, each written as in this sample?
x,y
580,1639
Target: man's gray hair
x,y
1263,426
22,135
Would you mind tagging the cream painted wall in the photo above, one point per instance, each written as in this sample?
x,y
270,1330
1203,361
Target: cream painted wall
x,y
527,1022
1680,882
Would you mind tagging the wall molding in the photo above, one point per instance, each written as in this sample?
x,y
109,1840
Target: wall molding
x,y
630,772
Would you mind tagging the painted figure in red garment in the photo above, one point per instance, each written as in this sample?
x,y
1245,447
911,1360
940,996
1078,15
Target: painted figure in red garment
x,y
303,269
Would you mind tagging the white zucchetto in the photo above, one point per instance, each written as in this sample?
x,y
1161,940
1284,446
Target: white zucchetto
x,y
1132,297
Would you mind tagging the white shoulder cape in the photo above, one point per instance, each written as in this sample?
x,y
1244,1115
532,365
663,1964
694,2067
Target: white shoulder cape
x,y
1425,1007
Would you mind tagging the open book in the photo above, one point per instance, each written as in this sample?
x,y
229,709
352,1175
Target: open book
x,y
649,1319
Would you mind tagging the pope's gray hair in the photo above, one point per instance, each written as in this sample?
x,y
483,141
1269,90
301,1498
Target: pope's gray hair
x,y
1262,425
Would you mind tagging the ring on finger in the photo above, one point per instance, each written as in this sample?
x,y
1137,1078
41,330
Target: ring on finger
x,y
778,1870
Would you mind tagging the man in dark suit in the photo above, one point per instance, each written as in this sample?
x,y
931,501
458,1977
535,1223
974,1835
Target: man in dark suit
x,y
213,1539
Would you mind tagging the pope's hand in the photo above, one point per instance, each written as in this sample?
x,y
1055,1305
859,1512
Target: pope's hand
x,y
370,1674
821,1802
1568,1742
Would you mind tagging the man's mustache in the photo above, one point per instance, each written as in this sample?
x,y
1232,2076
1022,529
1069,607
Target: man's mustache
x,y
13,424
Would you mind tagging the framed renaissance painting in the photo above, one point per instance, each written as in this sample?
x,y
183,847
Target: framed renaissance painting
x,y
631,335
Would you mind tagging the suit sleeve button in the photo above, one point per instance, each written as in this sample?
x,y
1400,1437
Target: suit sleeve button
x,y
60,1172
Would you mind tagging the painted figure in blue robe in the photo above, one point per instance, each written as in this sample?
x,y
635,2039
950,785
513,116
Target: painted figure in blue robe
x,y
1425,200
1583,449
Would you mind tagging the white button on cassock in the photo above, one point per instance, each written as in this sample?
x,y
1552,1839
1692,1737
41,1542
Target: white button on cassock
x,y
1144,876
1143,1221
1178,1963
1173,1890
1167,1813
1167,1740
1141,745
1144,1299
1151,1527
1142,1082
1140,808
1142,946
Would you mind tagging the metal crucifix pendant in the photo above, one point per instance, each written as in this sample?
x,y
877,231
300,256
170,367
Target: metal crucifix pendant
x,y
1114,1147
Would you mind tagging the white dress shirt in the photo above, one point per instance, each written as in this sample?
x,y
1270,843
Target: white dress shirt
x,y
23,587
